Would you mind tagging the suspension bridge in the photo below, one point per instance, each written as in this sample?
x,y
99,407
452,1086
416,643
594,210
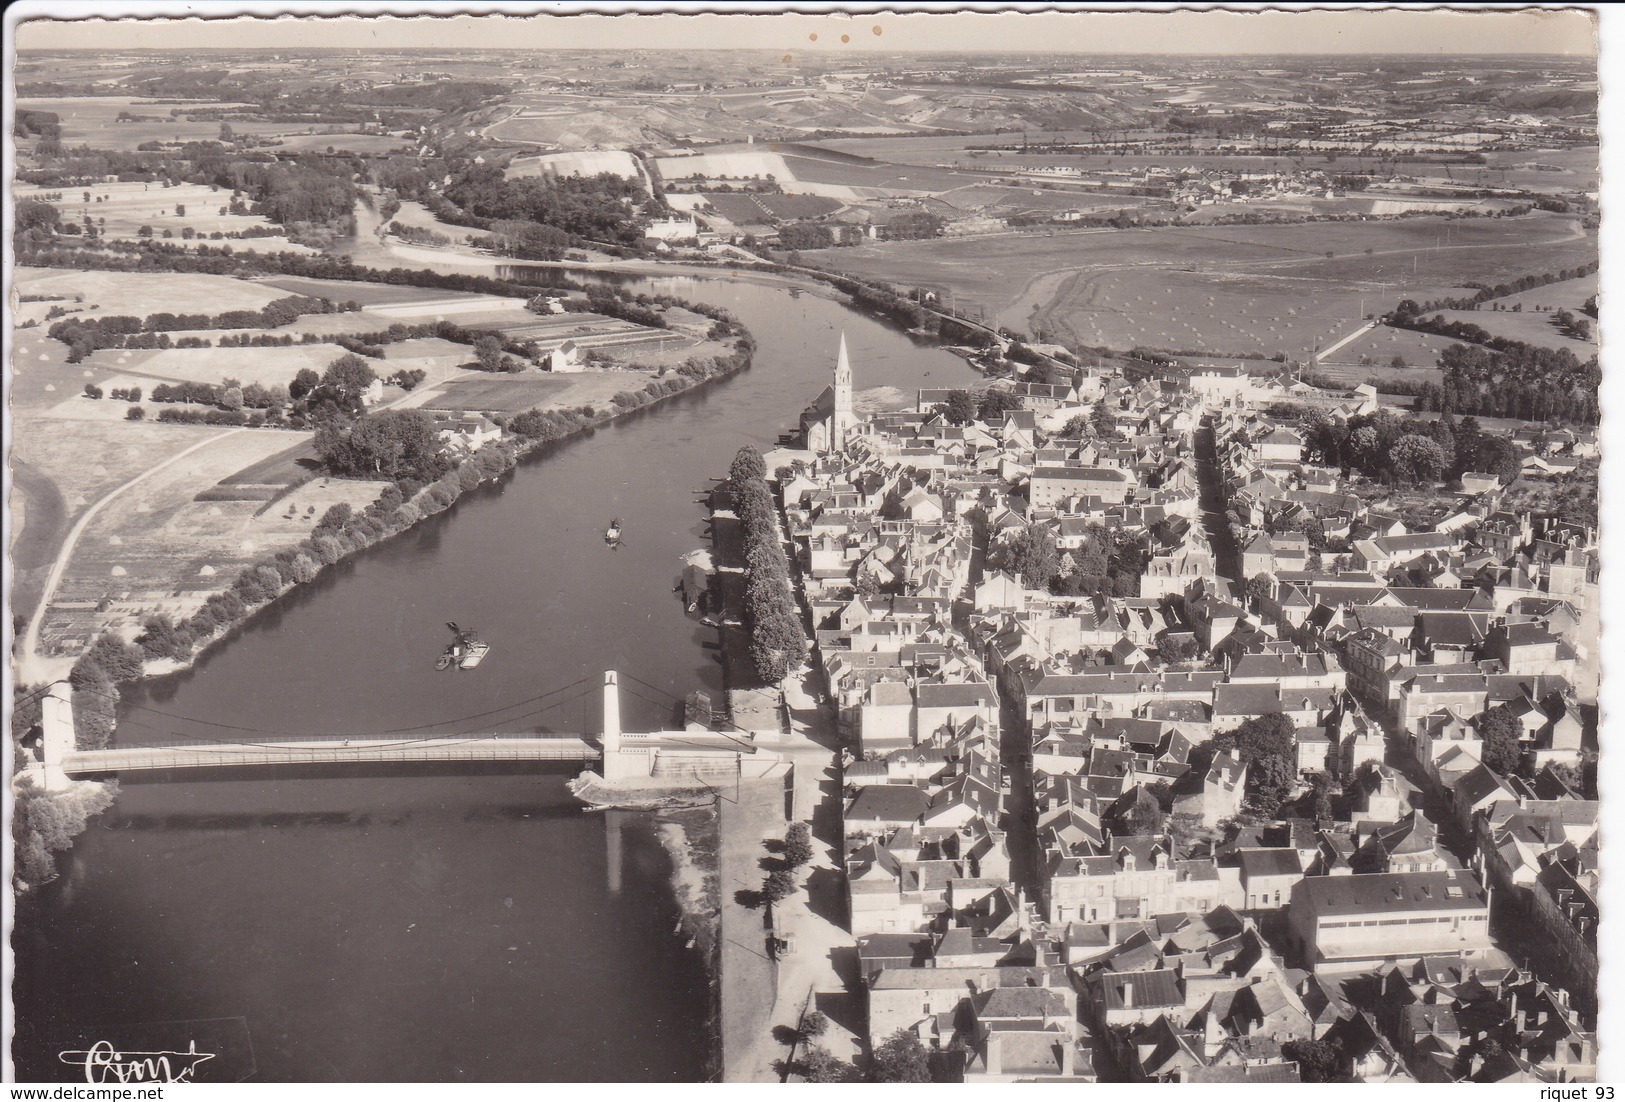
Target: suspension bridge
x,y
622,756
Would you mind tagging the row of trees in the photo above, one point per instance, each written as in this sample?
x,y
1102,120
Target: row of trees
x,y
85,335
1527,383
777,643
1485,292
599,207
1408,450
962,407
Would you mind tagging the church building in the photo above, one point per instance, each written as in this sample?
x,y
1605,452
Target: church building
x,y
827,424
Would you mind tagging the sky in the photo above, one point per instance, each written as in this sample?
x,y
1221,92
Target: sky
x,y
1438,33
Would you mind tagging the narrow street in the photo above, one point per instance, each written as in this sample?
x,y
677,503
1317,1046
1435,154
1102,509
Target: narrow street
x,y
1226,555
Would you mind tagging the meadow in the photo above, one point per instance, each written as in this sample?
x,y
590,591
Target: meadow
x,y
98,294
1222,289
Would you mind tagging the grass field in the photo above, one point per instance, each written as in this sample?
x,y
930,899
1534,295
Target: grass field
x,y
1419,350
367,294
120,210
343,142
137,293
516,393
1223,289
283,468
1529,326
93,121
584,162
1570,293
265,366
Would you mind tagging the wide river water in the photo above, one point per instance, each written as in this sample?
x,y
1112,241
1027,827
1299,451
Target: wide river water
x,y
436,923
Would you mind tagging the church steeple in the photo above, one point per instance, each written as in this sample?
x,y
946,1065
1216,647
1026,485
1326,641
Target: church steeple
x,y
841,418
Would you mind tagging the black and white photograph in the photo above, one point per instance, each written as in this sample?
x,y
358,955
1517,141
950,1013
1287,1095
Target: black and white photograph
x,y
681,544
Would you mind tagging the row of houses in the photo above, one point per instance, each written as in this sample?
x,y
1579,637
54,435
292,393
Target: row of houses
x,y
1171,932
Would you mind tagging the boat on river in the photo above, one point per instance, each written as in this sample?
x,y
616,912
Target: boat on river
x,y
465,651
612,534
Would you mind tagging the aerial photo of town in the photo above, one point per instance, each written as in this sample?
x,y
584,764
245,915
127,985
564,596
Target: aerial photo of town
x,y
935,548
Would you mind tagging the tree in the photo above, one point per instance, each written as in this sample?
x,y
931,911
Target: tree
x,y
798,845
231,398
818,1065
305,381
1501,731
778,885
1103,422
1259,587
1032,555
995,404
1177,647
746,466
488,351
1415,458
393,444
1146,815
960,408
900,1059
348,376
180,210
31,214
812,1025
135,413
1317,1060
120,660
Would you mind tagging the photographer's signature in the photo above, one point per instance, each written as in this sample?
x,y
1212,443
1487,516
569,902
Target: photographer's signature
x,y
105,1064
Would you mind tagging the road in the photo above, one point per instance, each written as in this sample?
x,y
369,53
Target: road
x,y
31,665
1226,555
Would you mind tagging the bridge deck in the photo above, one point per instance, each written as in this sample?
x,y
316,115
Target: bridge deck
x,y
330,751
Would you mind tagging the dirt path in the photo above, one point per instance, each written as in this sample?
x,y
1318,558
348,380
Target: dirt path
x,y
31,665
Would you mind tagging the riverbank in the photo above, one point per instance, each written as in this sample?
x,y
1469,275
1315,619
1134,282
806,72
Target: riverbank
x,y
392,515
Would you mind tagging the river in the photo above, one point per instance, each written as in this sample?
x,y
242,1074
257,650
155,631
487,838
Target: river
x,y
436,923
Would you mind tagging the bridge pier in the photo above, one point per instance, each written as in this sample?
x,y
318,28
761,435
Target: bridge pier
x,y
56,735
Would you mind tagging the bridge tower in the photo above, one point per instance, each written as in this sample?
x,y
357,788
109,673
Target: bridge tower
x,y
56,735
612,716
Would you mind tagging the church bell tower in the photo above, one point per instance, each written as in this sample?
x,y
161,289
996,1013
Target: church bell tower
x,y
841,418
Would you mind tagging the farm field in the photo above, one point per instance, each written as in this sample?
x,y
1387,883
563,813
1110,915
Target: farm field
x,y
1217,313
1529,326
136,293
93,121
1234,288
266,366
120,210
515,394
367,294
747,162
158,549
587,162
341,141
1419,350
1570,293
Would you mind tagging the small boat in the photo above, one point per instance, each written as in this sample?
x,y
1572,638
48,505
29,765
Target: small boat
x,y
464,651
612,535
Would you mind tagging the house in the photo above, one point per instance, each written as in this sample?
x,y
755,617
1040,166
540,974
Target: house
x,y
1049,486
1352,923
566,358
466,433
1268,876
